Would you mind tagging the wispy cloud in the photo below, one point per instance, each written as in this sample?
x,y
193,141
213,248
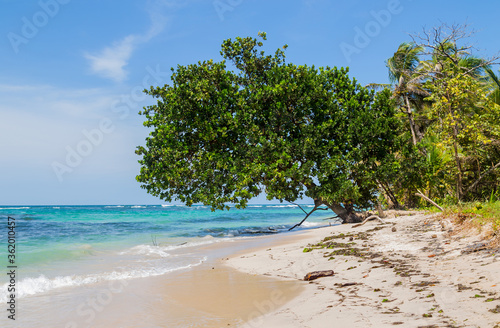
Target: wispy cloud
x,y
110,62
53,118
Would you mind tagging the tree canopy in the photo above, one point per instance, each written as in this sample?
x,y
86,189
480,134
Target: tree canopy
x,y
222,136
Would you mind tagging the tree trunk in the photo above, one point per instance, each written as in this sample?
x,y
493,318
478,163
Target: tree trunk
x,y
380,211
420,194
459,164
317,204
346,212
412,122
389,196
455,150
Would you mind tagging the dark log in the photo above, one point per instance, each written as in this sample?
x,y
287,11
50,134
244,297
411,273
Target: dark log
x,y
318,274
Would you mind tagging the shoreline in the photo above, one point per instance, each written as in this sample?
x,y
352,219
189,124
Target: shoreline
x,y
409,272
208,295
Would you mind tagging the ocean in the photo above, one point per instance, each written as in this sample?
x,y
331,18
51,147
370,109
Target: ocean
x,y
61,249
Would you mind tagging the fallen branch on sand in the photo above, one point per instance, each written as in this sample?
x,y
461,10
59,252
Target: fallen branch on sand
x,y
371,217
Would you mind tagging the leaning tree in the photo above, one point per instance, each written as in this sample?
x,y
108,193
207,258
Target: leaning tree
x,y
222,136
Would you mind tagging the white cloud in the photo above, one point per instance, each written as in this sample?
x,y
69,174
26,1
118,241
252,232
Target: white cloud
x,y
110,62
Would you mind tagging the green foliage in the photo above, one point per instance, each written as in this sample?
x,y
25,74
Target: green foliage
x,y
489,212
492,85
462,110
439,161
405,61
221,136
447,100
466,123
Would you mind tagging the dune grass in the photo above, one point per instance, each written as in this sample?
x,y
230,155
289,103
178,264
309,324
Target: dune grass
x,y
477,215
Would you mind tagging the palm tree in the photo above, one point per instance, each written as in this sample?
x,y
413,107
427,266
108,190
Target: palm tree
x,y
447,57
408,83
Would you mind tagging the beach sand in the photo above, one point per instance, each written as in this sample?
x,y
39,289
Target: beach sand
x,y
202,297
409,272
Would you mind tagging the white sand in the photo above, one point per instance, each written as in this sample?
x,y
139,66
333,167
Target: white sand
x,y
402,286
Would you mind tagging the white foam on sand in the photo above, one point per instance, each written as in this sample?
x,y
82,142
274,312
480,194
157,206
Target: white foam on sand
x,y
42,284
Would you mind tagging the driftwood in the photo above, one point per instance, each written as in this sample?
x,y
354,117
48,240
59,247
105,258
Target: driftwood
x,y
318,274
371,217
420,194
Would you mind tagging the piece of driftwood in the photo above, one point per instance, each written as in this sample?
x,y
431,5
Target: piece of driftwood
x,y
318,274
371,217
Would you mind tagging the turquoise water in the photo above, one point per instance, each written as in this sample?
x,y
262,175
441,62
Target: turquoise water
x,y
67,246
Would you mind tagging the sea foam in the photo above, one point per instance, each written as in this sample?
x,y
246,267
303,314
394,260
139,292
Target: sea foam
x,y
43,284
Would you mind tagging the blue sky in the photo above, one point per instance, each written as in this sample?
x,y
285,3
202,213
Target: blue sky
x,y
71,74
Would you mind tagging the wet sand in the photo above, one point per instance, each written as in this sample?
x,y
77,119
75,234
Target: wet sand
x,y
210,295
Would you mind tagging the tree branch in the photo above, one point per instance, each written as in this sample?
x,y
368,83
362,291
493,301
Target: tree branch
x,y
420,194
481,177
300,207
316,207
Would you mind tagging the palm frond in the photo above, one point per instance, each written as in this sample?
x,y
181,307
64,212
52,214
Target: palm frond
x,y
492,76
492,84
404,61
378,86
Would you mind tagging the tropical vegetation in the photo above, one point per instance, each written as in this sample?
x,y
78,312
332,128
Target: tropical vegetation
x,y
448,99
224,132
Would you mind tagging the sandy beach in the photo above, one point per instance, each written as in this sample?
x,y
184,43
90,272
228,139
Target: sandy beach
x,y
412,271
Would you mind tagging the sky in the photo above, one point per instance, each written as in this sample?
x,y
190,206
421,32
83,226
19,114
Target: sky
x,y
72,74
